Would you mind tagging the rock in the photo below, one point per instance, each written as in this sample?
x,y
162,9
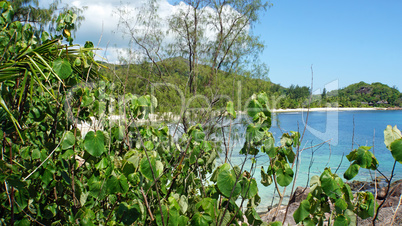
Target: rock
x,y
391,201
299,195
381,193
384,217
269,217
395,190
360,185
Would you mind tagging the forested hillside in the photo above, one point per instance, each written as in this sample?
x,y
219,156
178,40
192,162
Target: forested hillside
x,y
365,95
143,78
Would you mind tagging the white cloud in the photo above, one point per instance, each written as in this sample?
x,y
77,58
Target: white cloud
x,y
101,21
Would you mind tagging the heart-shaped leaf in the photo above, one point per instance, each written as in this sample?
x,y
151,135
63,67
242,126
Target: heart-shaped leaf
x,y
94,143
284,176
117,184
62,68
226,182
128,214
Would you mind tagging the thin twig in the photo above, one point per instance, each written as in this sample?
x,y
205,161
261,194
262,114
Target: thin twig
x,y
45,159
399,203
146,204
386,195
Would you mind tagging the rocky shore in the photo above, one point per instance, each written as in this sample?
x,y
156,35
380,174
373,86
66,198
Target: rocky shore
x,y
385,216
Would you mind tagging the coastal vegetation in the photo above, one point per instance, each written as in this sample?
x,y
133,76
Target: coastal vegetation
x,y
126,171
140,77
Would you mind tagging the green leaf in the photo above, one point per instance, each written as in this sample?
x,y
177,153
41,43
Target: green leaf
x,y
290,155
302,212
249,189
341,220
200,219
128,214
95,185
35,154
145,168
340,204
329,184
226,182
47,177
103,163
94,143
364,157
50,211
351,172
391,134
62,68
253,107
284,175
230,108
149,145
252,217
117,184
68,141
253,133
269,147
396,150
220,168
118,132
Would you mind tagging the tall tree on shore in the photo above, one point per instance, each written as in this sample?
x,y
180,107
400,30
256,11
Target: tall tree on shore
x,y
213,33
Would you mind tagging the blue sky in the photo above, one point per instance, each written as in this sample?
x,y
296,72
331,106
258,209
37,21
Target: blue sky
x,y
345,40
349,41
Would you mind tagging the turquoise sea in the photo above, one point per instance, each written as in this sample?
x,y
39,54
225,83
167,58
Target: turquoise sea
x,y
366,128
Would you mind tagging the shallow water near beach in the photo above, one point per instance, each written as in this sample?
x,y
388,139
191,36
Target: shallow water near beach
x,y
366,128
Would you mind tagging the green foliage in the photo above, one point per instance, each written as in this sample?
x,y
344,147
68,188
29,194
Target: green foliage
x,y
360,157
364,95
329,188
128,172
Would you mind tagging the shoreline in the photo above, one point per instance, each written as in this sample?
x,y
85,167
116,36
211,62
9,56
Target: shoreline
x,y
325,109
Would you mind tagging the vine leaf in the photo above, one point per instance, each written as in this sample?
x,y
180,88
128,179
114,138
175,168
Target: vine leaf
x,y
94,143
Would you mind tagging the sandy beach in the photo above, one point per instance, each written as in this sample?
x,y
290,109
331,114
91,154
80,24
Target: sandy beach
x,y
324,109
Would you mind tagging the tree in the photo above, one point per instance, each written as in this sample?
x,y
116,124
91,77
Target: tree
x,y
29,11
324,94
214,33
213,37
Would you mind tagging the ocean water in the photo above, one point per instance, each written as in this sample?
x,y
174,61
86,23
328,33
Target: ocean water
x,y
364,128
